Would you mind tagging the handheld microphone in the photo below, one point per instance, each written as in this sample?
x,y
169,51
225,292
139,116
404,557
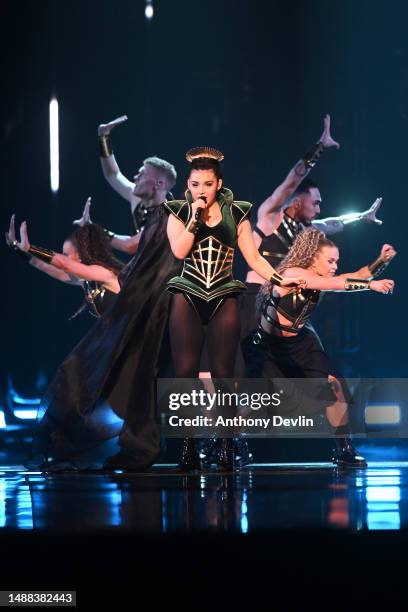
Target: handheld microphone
x,y
200,210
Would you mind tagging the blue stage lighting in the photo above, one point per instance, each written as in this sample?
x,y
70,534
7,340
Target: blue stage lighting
x,y
25,413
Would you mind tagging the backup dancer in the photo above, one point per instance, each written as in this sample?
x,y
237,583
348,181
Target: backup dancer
x,y
293,206
291,350
150,186
115,366
86,261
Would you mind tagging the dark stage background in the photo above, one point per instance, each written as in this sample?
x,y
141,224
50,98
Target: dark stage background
x,y
253,78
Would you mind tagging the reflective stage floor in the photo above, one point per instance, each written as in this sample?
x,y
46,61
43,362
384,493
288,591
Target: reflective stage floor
x,y
262,497
266,521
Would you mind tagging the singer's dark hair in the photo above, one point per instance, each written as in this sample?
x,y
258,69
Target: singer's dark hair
x,y
207,163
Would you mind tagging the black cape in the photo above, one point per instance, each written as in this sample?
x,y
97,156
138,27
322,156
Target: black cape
x,y
106,385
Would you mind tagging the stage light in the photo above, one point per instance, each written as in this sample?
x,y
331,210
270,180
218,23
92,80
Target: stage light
x,y
24,509
2,420
244,511
352,216
54,146
25,414
382,414
115,502
378,521
149,11
24,408
383,494
2,503
24,401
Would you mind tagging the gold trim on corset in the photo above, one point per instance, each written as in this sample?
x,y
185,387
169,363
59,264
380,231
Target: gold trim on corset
x,y
209,262
201,293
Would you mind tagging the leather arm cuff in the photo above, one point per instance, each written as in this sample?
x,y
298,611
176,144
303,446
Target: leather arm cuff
x,y
356,284
41,253
276,279
378,266
312,156
105,146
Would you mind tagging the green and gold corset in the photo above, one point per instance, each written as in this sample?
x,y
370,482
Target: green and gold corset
x,y
207,270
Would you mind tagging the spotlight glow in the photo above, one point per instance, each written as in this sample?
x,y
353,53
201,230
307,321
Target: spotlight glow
x,y
149,11
25,414
54,146
382,414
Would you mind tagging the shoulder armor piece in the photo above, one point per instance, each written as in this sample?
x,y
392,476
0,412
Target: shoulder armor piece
x,y
240,211
179,208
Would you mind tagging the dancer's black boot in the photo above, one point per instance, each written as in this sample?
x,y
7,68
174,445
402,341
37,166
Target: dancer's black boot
x,y
190,458
225,457
242,454
210,451
345,455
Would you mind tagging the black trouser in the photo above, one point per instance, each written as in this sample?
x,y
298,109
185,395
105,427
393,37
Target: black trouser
x,y
249,360
299,357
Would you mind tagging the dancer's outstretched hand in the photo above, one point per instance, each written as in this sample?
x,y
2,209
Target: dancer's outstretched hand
x,y
11,239
86,215
326,138
11,234
105,128
387,252
370,214
24,243
382,286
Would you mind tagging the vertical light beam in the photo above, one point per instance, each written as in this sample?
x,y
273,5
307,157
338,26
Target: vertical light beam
x,y
54,146
149,11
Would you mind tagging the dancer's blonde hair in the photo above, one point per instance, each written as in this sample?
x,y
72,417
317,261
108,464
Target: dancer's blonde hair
x,y
301,255
165,168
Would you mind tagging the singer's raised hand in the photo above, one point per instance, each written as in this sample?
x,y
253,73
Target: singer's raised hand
x,y
198,206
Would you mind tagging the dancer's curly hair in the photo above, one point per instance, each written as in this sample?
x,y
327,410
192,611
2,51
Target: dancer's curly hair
x,y
305,248
93,247
301,255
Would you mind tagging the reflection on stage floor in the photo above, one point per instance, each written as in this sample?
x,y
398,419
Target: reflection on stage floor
x,y
262,497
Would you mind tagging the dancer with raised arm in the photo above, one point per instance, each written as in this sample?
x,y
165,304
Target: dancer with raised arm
x,y
290,349
151,185
293,206
86,261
